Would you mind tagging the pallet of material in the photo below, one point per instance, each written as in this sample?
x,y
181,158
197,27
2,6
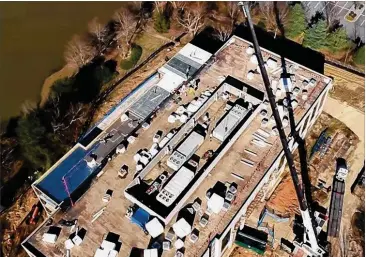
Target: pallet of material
x,y
250,152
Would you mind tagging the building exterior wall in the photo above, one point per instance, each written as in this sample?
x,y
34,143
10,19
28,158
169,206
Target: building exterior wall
x,y
271,179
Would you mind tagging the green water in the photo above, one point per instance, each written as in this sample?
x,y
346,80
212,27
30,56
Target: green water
x,y
33,36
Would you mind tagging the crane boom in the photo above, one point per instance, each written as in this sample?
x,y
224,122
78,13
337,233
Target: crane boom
x,y
308,224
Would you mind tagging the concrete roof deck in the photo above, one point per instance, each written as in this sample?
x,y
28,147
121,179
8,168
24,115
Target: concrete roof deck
x,y
232,61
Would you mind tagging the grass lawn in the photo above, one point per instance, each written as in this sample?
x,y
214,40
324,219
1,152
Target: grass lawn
x,y
148,43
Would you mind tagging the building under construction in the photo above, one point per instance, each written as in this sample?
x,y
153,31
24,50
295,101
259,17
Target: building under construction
x,y
187,190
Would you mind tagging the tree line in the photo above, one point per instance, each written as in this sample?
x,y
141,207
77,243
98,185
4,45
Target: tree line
x,y
322,32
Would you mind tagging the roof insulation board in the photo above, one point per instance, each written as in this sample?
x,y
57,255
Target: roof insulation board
x,y
148,102
170,80
175,186
195,53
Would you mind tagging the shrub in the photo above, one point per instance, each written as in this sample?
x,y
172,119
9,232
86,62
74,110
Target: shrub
x,y
338,40
135,56
262,24
359,57
161,23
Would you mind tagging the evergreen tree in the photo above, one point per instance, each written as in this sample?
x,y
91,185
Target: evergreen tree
x,y
161,23
296,22
31,134
316,36
359,57
338,40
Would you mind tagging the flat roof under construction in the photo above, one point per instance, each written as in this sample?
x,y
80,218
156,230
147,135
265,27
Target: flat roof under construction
x,y
232,60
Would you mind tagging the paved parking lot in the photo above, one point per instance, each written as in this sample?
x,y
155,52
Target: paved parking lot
x,y
339,9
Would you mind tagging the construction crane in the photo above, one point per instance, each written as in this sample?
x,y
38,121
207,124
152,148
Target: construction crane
x,y
310,242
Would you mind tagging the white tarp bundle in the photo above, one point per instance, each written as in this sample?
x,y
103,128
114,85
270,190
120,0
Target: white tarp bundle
x,y
182,228
154,228
49,238
215,203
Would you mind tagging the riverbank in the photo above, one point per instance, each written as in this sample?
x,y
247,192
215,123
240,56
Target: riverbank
x,y
33,39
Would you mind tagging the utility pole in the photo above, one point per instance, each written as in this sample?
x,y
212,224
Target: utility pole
x,y
310,234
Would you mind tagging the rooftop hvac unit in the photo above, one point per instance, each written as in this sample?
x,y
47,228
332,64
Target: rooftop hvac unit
x,y
229,122
91,160
274,131
264,122
249,50
120,149
124,117
296,91
175,186
272,63
254,59
176,160
294,103
191,144
312,82
263,113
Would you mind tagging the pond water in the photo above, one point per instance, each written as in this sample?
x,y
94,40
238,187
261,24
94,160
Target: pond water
x,y
33,36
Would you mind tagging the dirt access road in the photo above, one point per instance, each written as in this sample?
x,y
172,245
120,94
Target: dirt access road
x,y
355,120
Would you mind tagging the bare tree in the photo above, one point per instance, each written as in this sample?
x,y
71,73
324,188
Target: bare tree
x,y
61,122
331,14
79,52
126,27
28,107
98,32
179,5
269,15
232,10
160,5
223,31
178,8
192,19
7,157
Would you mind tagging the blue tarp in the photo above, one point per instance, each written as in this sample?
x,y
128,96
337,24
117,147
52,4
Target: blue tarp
x,y
140,217
74,169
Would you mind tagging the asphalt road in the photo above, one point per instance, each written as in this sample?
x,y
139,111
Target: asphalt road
x,y
339,10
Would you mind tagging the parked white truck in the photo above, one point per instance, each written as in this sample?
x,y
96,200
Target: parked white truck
x,y
341,169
